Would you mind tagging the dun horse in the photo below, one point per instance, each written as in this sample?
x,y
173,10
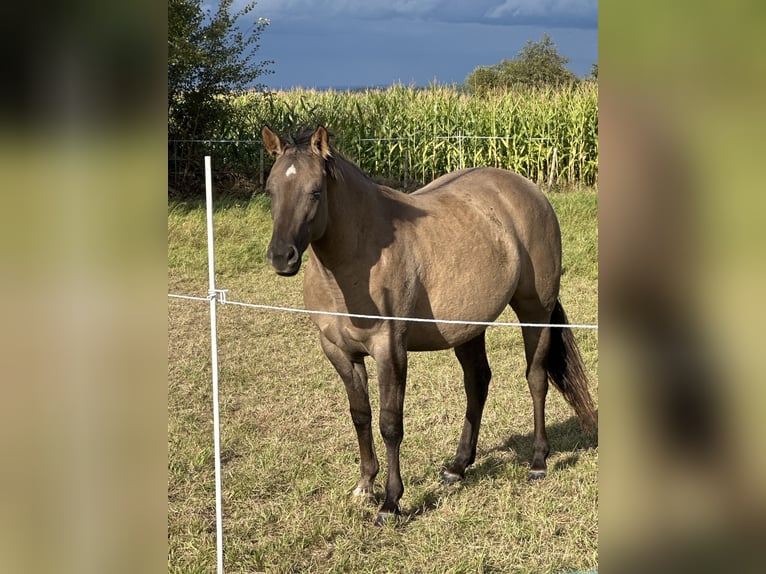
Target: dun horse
x,y
463,247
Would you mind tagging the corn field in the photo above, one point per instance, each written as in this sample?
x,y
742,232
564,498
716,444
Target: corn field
x,y
410,134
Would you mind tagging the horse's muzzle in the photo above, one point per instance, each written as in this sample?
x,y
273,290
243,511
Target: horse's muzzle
x,y
284,258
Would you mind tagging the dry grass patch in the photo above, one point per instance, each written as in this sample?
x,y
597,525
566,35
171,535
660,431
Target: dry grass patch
x,y
289,454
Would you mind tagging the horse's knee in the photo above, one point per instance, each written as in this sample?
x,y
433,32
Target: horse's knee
x,y
391,429
361,418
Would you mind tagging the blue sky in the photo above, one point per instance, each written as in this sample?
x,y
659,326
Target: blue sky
x,y
353,43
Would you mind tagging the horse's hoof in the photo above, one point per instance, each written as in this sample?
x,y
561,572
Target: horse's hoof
x,y
450,478
384,518
537,474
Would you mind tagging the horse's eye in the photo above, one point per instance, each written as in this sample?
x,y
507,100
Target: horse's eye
x,y
316,195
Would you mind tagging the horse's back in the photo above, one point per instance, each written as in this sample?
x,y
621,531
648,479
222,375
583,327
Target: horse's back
x,y
487,188
506,202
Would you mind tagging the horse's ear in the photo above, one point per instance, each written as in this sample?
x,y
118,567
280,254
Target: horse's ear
x,y
271,141
320,144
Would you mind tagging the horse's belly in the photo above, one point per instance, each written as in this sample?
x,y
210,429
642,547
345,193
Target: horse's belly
x,y
476,291
436,337
454,323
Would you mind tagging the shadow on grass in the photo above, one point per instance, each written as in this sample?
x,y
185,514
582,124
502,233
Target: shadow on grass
x,y
564,437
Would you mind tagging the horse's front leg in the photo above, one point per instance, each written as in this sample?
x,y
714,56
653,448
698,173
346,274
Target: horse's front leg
x,y
392,377
354,376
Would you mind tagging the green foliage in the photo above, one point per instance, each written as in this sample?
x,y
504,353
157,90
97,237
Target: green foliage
x,y
208,57
483,79
537,64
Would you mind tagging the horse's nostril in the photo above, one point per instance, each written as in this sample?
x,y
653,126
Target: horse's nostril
x,y
292,255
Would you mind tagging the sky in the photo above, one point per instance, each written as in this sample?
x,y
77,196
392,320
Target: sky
x,y
357,43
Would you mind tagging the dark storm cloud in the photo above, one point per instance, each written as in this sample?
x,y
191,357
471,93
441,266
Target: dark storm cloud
x,y
550,13
349,43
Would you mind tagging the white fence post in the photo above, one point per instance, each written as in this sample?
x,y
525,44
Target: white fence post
x,y
212,296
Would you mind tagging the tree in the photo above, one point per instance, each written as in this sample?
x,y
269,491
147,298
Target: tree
x,y
209,56
208,52
536,64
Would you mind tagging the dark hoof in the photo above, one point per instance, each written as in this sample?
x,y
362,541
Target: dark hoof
x,y
384,518
537,474
450,478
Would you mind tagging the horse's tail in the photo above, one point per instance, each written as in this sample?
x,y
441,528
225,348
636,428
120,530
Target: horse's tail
x,y
567,372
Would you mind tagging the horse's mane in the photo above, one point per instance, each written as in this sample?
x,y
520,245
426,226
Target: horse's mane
x,y
303,137
335,164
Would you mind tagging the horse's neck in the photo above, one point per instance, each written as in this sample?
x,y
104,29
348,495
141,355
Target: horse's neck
x,y
353,204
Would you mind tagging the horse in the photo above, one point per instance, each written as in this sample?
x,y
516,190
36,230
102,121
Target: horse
x,y
461,248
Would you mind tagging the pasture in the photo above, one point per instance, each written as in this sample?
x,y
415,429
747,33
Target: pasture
x,y
289,452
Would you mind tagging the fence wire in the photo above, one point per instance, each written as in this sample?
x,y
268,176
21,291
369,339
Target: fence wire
x,y
241,165
224,301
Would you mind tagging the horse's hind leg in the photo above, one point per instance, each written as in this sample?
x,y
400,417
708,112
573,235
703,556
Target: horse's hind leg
x,y
354,376
536,345
476,376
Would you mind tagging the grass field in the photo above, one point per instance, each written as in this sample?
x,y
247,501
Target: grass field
x,y
289,454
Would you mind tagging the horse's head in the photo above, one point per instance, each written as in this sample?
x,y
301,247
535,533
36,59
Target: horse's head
x,y
298,189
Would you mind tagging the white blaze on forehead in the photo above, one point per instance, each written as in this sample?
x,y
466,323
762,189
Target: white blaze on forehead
x,y
291,170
